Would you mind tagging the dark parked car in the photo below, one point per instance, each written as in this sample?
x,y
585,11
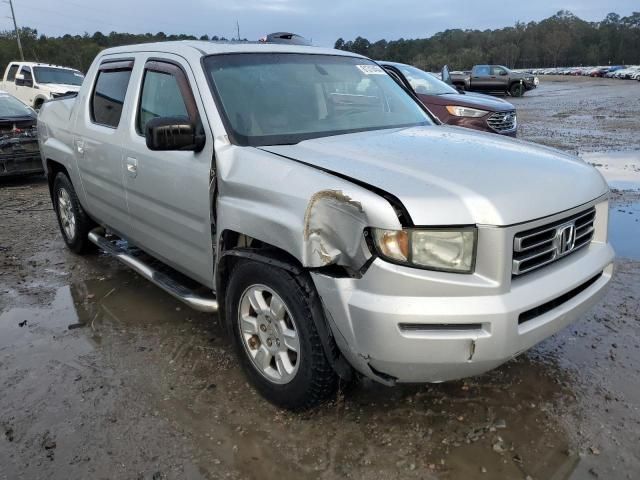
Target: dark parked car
x,y
19,153
495,78
471,110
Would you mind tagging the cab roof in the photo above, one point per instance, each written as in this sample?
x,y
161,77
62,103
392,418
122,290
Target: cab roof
x,y
40,64
203,48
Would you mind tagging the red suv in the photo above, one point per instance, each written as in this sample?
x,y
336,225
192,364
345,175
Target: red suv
x,y
471,110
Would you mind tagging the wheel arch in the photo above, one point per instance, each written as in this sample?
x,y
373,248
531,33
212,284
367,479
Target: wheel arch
x,y
235,247
52,169
39,100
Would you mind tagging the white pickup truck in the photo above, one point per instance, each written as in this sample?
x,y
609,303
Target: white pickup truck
x,y
334,225
35,83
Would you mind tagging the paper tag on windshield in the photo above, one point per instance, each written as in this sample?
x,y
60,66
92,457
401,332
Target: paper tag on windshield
x,y
371,69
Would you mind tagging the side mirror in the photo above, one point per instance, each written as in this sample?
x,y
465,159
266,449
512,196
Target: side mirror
x,y
446,76
503,73
173,133
21,81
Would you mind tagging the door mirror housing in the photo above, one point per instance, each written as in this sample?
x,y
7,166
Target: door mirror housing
x,y
21,81
446,76
503,73
174,133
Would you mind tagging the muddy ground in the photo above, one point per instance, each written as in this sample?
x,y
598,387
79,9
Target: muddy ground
x,y
104,376
581,114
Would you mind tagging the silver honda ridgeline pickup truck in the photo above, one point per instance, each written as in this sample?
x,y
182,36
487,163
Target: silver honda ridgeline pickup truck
x,y
334,225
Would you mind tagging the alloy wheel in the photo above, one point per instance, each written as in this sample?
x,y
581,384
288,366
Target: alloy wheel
x,y
269,334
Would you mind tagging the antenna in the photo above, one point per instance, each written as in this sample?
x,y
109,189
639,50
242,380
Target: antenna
x,y
15,25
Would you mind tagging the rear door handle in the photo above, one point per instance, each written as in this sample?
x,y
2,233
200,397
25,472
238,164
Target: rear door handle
x,y
132,167
80,147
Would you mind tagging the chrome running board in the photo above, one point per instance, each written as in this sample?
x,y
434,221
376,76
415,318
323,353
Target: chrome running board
x,y
170,285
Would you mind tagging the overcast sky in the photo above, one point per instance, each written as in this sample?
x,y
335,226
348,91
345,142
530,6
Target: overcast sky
x,y
323,21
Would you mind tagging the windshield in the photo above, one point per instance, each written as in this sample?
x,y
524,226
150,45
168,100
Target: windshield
x,y
424,83
278,98
12,107
58,75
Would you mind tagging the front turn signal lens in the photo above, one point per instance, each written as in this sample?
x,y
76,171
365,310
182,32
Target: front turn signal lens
x,y
392,244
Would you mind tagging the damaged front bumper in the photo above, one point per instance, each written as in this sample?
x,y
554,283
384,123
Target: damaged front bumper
x,y
398,324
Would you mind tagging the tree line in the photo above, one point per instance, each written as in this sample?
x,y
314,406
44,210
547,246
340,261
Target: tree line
x,y
77,51
560,40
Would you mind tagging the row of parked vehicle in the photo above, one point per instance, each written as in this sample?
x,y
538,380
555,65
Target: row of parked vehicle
x,y
24,88
617,71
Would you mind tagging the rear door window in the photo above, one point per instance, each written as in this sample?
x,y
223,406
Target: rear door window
x,y
109,93
11,75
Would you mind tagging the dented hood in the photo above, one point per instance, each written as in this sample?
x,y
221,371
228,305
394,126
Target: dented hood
x,y
448,175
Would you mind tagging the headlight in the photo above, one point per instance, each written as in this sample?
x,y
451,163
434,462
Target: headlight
x,y
465,111
449,250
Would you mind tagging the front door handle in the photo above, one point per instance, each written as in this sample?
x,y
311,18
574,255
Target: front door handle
x,y
132,167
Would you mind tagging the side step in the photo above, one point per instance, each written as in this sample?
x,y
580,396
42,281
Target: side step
x,y
165,281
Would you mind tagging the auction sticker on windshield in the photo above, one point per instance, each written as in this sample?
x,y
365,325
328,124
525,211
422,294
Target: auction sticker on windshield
x,y
371,69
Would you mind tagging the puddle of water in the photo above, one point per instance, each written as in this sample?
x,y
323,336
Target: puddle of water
x,y
624,229
135,359
170,364
620,169
27,324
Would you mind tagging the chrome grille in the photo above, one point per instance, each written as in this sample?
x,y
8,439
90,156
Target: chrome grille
x,y
542,245
502,121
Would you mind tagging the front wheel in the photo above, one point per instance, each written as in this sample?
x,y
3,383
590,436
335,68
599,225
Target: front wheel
x,y
270,311
74,223
516,90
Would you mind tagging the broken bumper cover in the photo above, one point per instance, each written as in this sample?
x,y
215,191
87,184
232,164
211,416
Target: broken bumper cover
x,y
24,163
391,337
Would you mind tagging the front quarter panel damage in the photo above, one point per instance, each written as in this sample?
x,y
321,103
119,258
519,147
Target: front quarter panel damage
x,y
333,230
317,217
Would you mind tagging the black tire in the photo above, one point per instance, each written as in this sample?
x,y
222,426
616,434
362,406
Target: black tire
x,y
38,104
516,90
79,241
315,380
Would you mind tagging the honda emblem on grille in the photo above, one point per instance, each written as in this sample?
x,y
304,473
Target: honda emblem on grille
x,y
565,239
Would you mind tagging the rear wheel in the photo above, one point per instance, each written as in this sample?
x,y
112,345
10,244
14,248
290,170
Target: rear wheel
x,y
270,312
74,223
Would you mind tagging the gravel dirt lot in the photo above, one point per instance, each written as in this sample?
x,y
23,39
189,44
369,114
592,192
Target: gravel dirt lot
x,y
104,376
